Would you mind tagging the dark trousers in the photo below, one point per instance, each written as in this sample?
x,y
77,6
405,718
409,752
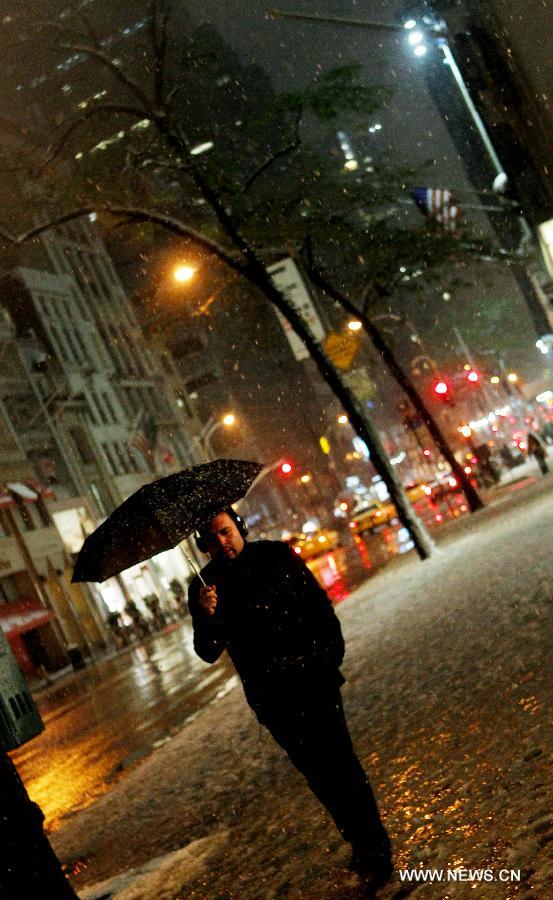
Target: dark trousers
x,y
313,732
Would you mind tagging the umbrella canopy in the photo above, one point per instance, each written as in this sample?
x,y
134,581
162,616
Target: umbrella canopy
x,y
161,514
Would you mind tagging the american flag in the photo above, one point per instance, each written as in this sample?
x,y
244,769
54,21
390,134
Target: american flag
x,y
437,204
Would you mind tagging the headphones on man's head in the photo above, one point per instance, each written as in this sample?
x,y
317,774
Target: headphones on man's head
x,y
202,537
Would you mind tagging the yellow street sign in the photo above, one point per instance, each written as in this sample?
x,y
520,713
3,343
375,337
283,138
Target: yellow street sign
x,y
341,349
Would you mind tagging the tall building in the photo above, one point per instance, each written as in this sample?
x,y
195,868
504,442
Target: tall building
x,y
91,411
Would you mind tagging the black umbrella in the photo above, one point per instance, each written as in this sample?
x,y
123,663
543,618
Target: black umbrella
x,y
161,514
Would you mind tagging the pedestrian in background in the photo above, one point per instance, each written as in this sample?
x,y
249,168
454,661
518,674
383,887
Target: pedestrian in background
x,y
538,451
262,604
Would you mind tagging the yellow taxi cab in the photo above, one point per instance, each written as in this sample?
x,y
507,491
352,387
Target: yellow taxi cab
x,y
417,491
308,546
381,512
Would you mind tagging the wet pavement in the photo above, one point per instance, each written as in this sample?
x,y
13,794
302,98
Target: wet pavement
x,y
101,722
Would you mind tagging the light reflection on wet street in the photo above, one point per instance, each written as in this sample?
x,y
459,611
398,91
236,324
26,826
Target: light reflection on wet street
x,y
100,722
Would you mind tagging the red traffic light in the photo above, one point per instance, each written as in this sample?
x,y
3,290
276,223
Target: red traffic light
x,y
473,376
442,391
286,468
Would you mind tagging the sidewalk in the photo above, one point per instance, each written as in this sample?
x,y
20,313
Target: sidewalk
x,y
450,708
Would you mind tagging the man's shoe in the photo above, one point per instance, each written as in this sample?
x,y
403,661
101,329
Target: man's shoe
x,y
378,868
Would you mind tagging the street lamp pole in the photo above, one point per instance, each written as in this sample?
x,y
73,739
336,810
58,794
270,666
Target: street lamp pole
x,y
209,429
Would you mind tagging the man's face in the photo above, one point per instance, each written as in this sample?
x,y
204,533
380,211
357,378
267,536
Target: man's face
x,y
224,540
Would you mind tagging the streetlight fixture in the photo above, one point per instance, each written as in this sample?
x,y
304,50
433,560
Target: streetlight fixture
x,y
211,426
183,273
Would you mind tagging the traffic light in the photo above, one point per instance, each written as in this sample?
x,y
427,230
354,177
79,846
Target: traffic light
x,y
442,391
286,468
473,376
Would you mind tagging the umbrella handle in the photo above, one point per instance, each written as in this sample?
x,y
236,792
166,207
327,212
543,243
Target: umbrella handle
x,y
192,566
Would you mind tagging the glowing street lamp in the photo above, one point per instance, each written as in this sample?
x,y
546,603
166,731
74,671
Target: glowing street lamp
x,y
226,421
355,325
183,273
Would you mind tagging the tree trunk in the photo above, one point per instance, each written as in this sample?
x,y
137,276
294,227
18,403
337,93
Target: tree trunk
x,y
359,421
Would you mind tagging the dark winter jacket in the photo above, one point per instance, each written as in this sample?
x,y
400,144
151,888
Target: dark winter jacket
x,y
275,621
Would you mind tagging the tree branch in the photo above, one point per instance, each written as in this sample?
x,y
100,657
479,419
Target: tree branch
x,y
134,214
158,31
278,155
119,74
53,151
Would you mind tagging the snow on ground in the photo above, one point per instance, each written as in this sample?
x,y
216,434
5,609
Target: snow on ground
x,y
449,697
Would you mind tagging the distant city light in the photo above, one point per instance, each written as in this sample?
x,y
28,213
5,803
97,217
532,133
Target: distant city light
x,y
512,377
420,50
355,325
410,23
229,419
201,148
495,379
343,419
415,38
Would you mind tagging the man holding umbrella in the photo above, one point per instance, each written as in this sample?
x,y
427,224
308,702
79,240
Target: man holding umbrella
x,y
260,602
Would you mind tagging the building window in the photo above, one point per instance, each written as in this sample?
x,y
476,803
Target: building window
x,y
82,446
109,407
8,589
5,524
23,515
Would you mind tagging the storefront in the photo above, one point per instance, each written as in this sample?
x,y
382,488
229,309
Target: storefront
x,y
27,627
